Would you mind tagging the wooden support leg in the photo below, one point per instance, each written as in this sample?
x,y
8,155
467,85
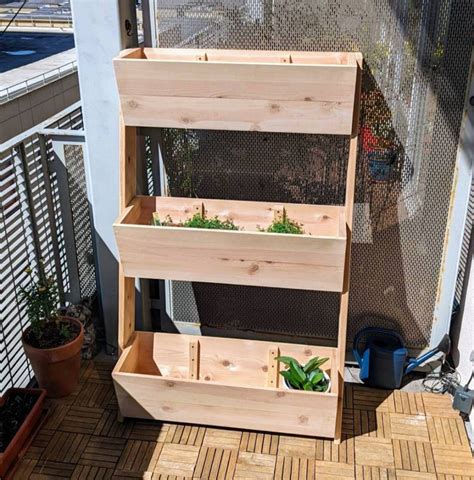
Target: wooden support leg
x,y
126,323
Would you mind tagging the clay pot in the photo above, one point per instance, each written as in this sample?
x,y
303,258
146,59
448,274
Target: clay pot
x,y
57,369
26,430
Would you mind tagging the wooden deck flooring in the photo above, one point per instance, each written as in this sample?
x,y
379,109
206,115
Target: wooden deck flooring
x,y
387,435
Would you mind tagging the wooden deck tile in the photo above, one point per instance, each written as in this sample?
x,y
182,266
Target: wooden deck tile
x,y
176,459
438,405
102,452
221,438
297,447
453,460
374,452
386,436
254,465
409,427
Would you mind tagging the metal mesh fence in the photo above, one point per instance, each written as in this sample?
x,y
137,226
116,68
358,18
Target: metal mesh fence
x,y
417,55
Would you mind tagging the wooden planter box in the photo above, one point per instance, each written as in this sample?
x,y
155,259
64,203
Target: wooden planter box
x,y
299,92
313,261
220,381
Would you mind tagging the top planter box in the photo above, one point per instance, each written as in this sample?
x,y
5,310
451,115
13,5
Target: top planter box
x,y
294,92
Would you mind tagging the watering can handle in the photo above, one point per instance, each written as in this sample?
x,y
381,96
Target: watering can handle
x,y
371,330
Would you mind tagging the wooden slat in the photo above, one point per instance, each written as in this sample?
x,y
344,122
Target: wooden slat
x,y
194,359
126,285
273,367
230,90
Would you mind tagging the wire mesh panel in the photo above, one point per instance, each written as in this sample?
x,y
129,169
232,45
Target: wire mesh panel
x,y
417,55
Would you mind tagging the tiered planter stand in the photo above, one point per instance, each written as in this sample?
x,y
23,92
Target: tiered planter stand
x,y
219,381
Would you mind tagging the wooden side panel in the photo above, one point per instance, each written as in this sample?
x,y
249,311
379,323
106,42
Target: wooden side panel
x,y
208,403
284,92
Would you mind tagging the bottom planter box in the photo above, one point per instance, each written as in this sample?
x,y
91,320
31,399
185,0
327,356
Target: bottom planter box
x,y
223,382
9,456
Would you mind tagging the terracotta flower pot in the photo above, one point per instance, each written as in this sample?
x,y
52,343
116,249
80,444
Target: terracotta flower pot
x,y
57,369
10,455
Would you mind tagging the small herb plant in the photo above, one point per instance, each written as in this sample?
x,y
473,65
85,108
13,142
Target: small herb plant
x,y
284,224
309,377
201,221
197,221
41,299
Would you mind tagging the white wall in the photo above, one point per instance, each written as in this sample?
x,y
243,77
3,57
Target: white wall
x,y
99,38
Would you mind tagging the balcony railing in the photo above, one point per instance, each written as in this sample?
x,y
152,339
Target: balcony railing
x,y
13,91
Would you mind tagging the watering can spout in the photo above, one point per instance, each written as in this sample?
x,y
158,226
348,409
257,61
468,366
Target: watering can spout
x,y
444,346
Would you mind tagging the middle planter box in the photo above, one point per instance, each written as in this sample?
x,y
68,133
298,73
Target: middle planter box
x,y
313,260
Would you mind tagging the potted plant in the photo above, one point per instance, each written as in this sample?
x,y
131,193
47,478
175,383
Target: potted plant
x,y
307,377
20,411
52,343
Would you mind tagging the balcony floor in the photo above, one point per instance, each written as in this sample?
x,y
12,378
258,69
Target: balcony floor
x,y
387,435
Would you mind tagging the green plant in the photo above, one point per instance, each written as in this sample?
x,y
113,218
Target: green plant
x,y
198,220
308,377
41,298
284,224
201,221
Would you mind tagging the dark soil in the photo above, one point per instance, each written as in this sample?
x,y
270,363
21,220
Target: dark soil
x,y
12,414
51,335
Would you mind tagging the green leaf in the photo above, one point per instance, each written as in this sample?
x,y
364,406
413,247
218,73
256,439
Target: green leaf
x,y
291,379
308,387
316,377
297,371
314,363
285,360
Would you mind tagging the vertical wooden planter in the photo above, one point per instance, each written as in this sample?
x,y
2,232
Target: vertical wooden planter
x,y
229,382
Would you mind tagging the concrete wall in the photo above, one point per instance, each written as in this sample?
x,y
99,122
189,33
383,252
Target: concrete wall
x,y
35,107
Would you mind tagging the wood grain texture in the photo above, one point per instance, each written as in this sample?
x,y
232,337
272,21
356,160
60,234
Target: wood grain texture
x,y
230,372
127,191
299,92
312,261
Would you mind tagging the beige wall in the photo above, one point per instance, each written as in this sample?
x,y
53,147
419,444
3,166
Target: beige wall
x,y
35,107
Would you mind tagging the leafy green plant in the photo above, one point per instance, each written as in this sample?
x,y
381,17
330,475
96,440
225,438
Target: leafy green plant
x,y
308,377
41,298
201,221
284,224
198,220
